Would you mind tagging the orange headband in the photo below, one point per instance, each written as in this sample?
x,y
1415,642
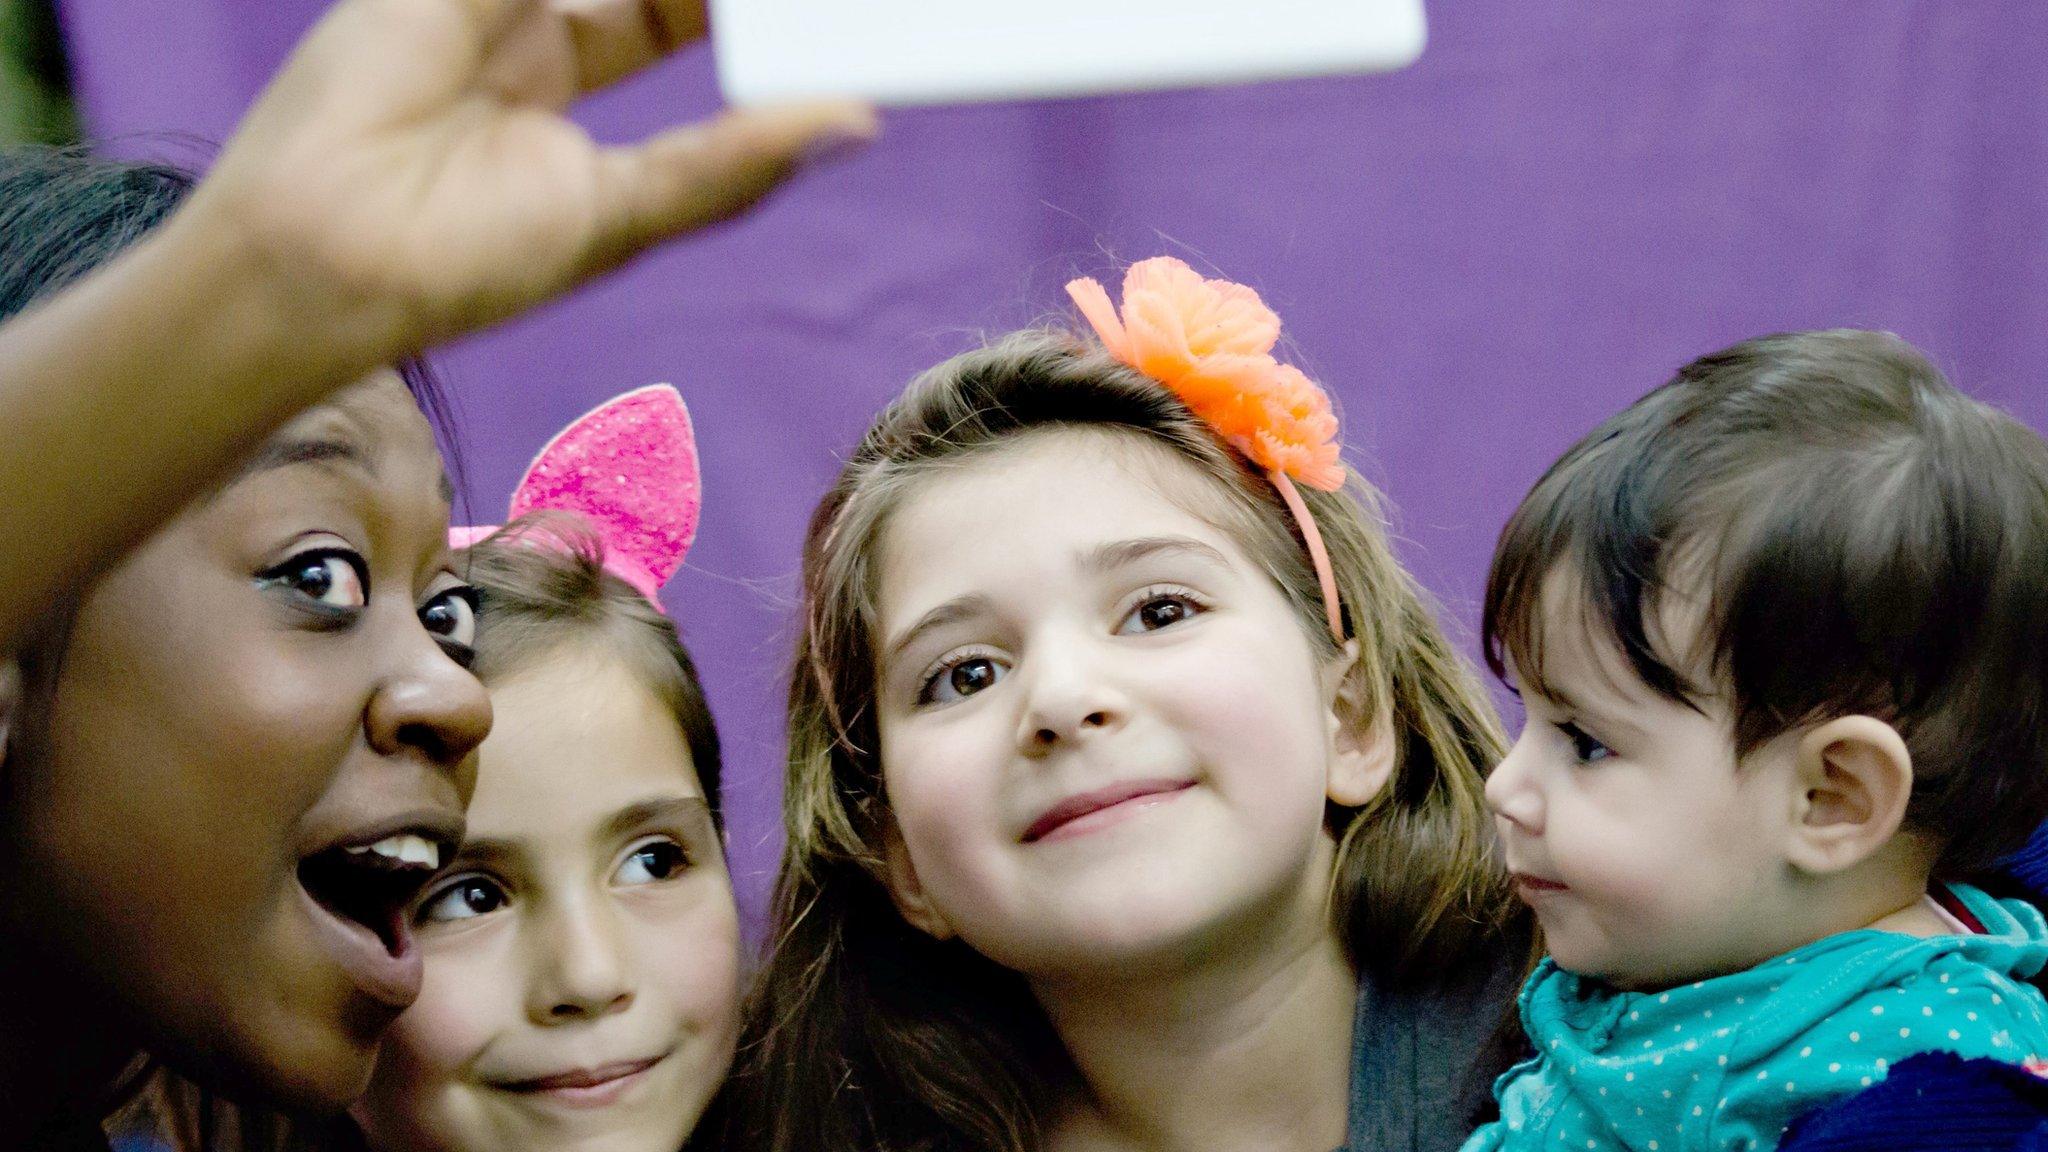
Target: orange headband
x,y
1210,342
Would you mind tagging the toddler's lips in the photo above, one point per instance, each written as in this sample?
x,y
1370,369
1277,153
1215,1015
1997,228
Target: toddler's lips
x,y
1529,885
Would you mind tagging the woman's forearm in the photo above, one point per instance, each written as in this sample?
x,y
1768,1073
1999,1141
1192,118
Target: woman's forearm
x,y
131,392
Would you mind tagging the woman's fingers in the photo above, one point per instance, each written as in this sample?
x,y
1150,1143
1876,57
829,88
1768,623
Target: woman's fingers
x,y
700,173
615,38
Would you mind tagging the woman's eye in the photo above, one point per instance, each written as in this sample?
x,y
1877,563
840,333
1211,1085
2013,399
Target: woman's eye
x,y
463,898
1584,747
1158,612
451,615
653,861
960,679
333,577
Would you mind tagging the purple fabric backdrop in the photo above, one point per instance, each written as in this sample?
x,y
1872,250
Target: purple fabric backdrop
x,y
1480,256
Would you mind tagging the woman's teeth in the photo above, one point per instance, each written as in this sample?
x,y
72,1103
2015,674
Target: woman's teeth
x,y
406,849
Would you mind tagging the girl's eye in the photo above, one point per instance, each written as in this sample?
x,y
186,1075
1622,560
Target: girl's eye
x,y
1584,747
653,861
1160,611
334,577
451,615
960,679
462,898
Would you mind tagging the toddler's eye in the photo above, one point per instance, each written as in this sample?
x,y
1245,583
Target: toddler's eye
x,y
462,898
960,679
451,615
652,861
333,577
1584,747
1158,611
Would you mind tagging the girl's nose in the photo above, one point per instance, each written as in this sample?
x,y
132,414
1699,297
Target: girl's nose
x,y
582,971
1070,695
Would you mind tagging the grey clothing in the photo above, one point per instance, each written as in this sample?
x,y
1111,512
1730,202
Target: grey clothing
x,y
1423,1059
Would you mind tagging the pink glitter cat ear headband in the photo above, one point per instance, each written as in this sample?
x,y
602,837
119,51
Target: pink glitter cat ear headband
x,y
1210,342
629,467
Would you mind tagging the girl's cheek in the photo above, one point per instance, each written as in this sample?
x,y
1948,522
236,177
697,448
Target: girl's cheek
x,y
459,1010
942,787
703,976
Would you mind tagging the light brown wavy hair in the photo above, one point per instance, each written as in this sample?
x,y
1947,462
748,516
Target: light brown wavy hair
x,y
866,1034
543,589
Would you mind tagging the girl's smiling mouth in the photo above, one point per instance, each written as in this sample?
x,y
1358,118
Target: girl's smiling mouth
x,y
587,1088
1085,812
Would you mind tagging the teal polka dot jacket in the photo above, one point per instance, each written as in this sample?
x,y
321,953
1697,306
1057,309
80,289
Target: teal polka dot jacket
x,y
1725,1064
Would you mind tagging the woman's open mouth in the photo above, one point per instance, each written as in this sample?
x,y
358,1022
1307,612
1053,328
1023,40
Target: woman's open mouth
x,y
360,897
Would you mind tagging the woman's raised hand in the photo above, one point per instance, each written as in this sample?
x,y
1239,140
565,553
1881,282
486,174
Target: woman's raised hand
x,y
407,177
410,174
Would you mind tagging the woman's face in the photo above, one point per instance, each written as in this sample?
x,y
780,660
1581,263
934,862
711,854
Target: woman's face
x,y
583,953
253,753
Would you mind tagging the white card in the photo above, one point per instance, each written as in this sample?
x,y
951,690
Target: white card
x,y
940,51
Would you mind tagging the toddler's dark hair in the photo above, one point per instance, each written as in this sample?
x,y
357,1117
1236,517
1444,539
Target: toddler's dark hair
x,y
1860,538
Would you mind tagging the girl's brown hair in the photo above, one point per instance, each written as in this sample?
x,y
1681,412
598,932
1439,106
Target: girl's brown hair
x,y
542,587
867,1034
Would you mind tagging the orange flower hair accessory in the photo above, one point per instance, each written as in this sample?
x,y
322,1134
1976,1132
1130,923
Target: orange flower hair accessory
x,y
1210,342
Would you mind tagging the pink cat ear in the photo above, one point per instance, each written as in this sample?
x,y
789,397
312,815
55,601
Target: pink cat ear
x,y
630,466
460,536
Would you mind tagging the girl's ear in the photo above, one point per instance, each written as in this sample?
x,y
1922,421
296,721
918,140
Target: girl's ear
x,y
907,891
1362,757
1854,778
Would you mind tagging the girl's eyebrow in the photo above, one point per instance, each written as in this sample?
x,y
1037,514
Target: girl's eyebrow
x,y
951,612
1106,557
677,810
498,853
1120,553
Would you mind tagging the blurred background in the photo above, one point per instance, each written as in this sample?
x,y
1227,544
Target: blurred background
x,y
1479,256
35,102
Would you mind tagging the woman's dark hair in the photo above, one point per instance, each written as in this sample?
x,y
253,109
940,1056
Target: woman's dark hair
x,y
65,212
1864,538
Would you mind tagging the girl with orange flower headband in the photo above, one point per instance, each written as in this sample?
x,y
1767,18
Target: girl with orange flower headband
x,y
1135,796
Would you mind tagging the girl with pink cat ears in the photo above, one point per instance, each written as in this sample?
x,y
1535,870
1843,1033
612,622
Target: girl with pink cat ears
x,y
582,949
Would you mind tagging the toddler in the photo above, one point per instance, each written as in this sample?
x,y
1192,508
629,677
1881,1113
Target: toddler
x,y
1782,638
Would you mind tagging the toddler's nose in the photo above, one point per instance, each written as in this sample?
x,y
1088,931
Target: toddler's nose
x,y
1512,794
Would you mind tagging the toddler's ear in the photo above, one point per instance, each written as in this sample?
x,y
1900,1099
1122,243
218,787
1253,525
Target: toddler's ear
x,y
1855,778
1362,756
907,891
